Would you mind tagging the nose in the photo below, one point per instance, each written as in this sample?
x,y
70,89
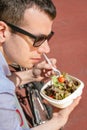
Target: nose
x,y
44,48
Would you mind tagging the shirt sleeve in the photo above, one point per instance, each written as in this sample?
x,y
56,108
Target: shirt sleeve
x,y
8,117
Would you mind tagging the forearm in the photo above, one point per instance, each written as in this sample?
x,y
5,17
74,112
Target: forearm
x,y
53,124
22,77
59,118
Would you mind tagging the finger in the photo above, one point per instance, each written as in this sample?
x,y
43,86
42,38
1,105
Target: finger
x,y
53,61
46,73
74,104
45,65
36,72
70,108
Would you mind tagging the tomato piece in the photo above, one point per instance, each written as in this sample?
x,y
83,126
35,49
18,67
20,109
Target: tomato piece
x,y
51,96
61,79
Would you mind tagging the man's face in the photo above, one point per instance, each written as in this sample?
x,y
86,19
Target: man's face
x,y
19,47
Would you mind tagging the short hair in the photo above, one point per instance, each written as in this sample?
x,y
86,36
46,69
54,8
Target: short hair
x,y
13,10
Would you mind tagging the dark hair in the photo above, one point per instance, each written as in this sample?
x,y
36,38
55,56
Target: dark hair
x,y
13,10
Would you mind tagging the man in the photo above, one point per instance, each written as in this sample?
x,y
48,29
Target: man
x,y
25,28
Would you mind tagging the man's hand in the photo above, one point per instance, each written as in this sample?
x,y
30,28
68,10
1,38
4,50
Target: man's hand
x,y
63,114
59,119
43,70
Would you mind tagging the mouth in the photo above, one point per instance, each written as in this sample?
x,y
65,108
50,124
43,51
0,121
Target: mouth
x,y
35,60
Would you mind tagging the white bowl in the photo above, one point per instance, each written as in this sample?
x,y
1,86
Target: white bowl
x,y
66,101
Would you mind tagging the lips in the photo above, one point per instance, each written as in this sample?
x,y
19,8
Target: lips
x,y
35,59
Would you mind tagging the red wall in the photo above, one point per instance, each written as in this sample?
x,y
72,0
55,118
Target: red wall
x,y
69,47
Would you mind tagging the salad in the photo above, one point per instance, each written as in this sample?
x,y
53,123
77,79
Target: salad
x,y
61,86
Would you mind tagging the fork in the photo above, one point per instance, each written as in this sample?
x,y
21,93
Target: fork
x,y
53,68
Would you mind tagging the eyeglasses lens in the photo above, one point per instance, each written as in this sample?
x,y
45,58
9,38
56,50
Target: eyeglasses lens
x,y
42,39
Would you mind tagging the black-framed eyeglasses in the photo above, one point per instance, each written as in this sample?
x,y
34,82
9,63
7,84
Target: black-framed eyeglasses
x,y
38,40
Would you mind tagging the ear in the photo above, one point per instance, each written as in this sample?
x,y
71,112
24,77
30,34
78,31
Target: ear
x,y
2,32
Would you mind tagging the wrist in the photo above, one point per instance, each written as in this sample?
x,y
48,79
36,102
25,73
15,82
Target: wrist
x,y
24,77
18,79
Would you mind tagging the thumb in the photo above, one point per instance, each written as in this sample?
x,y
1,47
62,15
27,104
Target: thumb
x,y
36,72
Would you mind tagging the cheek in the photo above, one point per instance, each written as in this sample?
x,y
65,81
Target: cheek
x,y
22,53
16,50
19,51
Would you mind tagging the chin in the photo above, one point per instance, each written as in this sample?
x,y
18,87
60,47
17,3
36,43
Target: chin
x,y
28,66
